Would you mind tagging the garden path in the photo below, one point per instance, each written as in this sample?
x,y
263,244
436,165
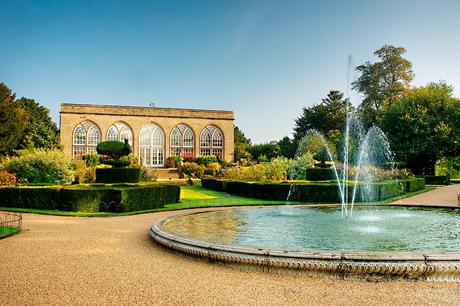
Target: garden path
x,y
98,261
445,196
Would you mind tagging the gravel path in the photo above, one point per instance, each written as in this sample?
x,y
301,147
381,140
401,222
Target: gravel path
x,y
445,196
99,261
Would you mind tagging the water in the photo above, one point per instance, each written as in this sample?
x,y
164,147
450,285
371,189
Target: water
x,y
293,227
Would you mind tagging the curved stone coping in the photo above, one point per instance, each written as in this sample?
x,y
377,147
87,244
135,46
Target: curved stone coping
x,y
333,264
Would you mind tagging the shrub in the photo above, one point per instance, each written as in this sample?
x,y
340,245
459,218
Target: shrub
x,y
148,174
212,169
7,179
322,174
436,179
189,159
118,175
276,169
41,166
83,174
193,170
91,159
170,162
113,149
206,159
30,197
296,169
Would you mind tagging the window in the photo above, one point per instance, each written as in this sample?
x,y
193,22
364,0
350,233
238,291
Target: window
x,y
182,141
86,136
151,145
211,141
119,132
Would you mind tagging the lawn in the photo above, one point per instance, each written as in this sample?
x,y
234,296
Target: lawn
x,y
191,197
6,231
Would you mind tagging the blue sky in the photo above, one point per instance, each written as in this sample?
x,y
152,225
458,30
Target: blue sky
x,y
264,60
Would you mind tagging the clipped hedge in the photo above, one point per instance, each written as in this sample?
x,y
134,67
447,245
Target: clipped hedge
x,y
413,184
322,174
91,198
436,179
43,197
312,192
118,175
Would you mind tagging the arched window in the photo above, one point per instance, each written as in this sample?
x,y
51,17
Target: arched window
x,y
151,145
211,141
119,132
182,141
86,136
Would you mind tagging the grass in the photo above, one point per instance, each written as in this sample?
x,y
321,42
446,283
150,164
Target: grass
x,y
6,231
192,197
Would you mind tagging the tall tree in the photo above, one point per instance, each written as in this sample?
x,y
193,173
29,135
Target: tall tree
x,y
241,145
423,126
327,117
40,131
12,121
287,146
383,81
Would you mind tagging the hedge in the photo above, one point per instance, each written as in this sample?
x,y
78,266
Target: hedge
x,y
322,174
312,192
118,175
43,197
436,179
91,198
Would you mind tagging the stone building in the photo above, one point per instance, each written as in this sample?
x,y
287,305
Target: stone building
x,y
153,132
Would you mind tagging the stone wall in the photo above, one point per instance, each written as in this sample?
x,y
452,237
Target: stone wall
x,y
137,117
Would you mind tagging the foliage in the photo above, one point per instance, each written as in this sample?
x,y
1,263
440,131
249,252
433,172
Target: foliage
x,y
148,174
12,121
322,174
287,147
313,144
91,159
270,150
298,166
322,156
172,161
436,179
193,170
276,169
424,126
241,145
7,179
206,159
382,82
118,175
212,169
31,197
329,115
41,166
113,149
40,131
450,166
83,174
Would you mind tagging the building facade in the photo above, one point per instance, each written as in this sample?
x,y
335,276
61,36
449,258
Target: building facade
x,y
154,133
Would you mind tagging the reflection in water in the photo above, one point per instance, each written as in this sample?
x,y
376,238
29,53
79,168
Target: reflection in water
x,y
371,229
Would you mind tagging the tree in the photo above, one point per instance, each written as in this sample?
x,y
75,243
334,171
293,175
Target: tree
x,y
40,131
269,150
241,145
329,115
383,81
12,119
424,126
287,147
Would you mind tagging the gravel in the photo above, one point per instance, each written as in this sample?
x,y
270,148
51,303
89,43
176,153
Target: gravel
x,y
99,261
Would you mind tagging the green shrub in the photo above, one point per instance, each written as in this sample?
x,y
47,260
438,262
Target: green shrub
x,y
148,174
206,159
296,169
413,184
7,179
41,166
30,197
118,175
93,198
172,161
82,173
91,159
193,170
214,184
113,149
322,174
436,179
